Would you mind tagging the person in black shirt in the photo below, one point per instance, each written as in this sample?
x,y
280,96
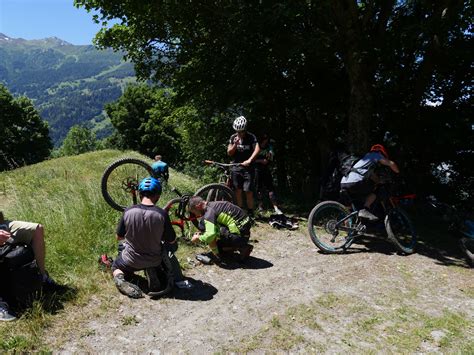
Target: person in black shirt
x,y
243,148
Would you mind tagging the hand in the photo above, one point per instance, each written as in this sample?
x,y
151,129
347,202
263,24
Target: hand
x,y
247,162
236,140
195,237
4,236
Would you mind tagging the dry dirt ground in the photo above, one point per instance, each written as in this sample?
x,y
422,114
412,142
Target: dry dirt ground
x,y
290,298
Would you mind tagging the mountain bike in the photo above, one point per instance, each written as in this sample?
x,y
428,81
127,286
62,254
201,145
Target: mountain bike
x,y
333,227
221,191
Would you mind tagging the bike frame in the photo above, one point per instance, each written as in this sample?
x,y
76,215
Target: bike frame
x,y
360,228
226,178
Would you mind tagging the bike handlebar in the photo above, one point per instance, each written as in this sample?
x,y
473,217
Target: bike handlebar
x,y
223,165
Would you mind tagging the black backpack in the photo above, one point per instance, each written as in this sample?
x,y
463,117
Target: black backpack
x,y
21,279
346,163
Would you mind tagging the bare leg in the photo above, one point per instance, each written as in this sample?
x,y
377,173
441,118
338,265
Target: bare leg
x,y
39,249
370,200
238,196
249,195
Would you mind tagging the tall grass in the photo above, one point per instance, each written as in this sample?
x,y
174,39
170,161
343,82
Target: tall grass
x,y
64,196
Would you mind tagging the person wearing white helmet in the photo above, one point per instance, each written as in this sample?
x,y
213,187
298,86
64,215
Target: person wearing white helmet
x,y
243,148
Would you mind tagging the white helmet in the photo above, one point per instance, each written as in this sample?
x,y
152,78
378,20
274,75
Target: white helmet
x,y
240,124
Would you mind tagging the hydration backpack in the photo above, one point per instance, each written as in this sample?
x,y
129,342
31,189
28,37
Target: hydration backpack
x,y
346,163
21,275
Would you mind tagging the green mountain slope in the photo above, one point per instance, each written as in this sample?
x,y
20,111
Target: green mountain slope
x,y
69,84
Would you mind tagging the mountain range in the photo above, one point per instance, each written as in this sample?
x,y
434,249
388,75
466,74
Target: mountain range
x,y
68,84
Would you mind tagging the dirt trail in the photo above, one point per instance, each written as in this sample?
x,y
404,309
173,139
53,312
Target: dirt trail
x,y
232,309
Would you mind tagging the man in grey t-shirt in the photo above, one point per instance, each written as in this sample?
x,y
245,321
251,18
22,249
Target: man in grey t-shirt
x,y
143,228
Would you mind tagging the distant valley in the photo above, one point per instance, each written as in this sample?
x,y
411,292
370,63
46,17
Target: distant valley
x,y
68,84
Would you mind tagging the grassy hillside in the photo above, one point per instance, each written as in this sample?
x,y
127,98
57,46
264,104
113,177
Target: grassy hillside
x,y
69,84
64,195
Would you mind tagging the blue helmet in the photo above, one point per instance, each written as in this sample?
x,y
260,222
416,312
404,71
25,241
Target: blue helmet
x,y
150,184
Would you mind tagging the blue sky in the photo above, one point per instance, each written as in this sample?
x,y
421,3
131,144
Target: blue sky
x,y
36,19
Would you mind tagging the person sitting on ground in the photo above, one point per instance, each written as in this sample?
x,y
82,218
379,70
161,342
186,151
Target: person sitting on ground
x,y
226,227
243,148
31,234
5,314
362,179
143,228
263,175
160,168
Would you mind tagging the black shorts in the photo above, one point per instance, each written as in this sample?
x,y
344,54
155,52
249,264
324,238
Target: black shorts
x,y
359,189
120,264
243,178
263,179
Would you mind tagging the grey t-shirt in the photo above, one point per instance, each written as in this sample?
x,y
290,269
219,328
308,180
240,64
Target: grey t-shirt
x,y
144,227
362,167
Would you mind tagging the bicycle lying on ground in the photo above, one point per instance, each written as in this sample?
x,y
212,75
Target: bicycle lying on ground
x,y
119,186
333,227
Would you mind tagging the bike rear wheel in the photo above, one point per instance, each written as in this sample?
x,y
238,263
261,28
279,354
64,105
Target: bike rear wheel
x,y
183,223
400,230
120,181
323,229
216,192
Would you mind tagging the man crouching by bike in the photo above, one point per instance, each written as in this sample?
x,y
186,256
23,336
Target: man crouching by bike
x,y
143,227
362,179
226,227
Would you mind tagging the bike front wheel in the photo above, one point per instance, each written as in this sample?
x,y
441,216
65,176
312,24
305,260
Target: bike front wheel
x,y
216,192
184,224
324,229
120,181
400,231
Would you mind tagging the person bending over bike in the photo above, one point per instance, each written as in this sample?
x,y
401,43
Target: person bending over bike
x,y
144,228
362,179
226,227
160,168
243,148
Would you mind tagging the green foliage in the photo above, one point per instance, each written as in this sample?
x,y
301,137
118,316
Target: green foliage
x,y
310,73
24,137
69,84
79,140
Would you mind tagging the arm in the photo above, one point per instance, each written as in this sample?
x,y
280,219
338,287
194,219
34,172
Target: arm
x,y
232,147
209,236
121,229
4,236
169,235
391,164
252,157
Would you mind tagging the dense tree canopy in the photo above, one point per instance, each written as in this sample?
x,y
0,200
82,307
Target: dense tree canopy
x,y
24,135
314,72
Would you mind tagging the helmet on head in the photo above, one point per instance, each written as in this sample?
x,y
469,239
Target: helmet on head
x,y
240,124
379,148
151,185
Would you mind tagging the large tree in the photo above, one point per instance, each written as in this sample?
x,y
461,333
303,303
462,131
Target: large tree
x,y
308,71
24,137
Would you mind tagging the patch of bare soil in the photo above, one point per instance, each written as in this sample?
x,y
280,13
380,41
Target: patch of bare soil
x,y
290,297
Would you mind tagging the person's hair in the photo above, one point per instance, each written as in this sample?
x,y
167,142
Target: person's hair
x,y
158,157
2,217
194,201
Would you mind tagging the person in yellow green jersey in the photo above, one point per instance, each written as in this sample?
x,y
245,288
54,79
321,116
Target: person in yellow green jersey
x,y
226,227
